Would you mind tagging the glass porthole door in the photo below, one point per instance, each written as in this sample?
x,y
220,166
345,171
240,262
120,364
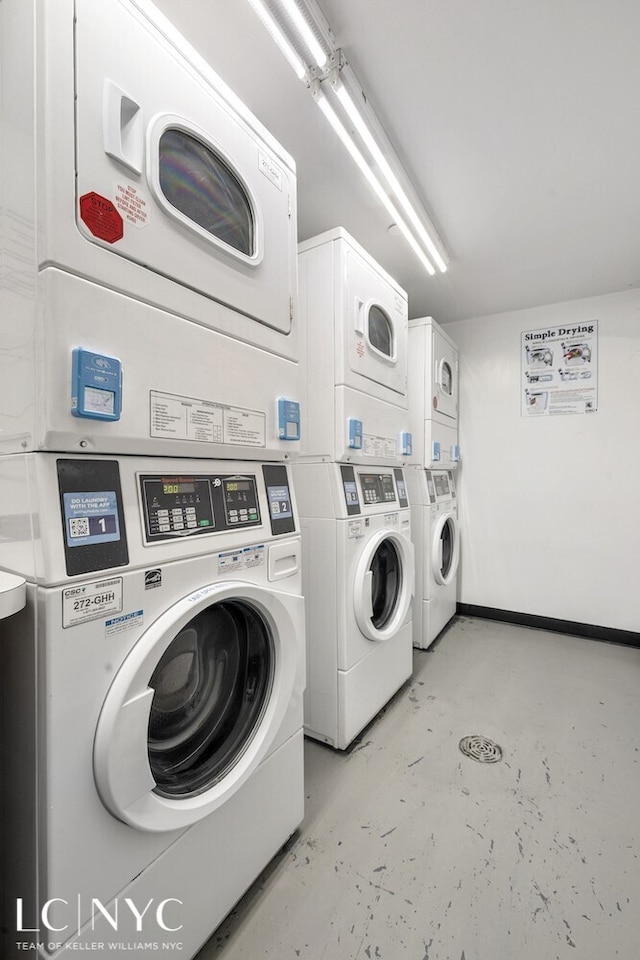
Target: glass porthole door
x,y
380,331
383,585
210,690
203,190
445,554
196,704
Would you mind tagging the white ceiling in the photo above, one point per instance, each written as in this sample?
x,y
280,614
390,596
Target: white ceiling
x,y
517,120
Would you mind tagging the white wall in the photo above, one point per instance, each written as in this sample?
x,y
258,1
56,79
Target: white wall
x,y
550,505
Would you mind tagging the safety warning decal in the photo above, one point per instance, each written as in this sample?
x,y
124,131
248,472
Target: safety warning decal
x,y
101,217
132,204
120,624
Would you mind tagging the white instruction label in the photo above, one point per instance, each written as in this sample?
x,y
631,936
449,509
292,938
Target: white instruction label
x,y
232,561
246,427
187,418
91,601
126,622
382,448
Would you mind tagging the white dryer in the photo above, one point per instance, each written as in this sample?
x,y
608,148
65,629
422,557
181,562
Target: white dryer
x,y
358,580
433,395
152,694
436,538
354,345
151,245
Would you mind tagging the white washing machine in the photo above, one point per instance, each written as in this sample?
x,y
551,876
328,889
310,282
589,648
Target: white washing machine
x,y
149,299
354,345
436,537
433,395
358,580
152,693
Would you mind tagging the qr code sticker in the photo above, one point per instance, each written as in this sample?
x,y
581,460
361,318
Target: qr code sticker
x,y
79,527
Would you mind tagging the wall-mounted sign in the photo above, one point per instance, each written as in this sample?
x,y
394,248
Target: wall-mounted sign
x,y
560,370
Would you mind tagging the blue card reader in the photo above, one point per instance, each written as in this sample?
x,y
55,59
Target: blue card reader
x,y
96,385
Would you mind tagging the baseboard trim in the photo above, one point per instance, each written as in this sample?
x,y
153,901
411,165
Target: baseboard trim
x,y
592,632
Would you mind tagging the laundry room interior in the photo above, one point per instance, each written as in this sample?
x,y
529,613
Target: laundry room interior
x,y
319,524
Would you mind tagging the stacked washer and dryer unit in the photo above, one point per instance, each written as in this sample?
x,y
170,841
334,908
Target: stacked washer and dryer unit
x,y
152,685
358,563
431,479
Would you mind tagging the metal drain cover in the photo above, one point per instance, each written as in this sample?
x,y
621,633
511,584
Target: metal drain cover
x,y
481,749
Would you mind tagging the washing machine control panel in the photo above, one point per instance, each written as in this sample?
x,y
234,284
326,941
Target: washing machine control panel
x,y
374,489
441,485
183,506
377,488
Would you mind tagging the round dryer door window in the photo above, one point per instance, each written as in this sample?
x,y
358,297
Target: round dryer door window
x,y
197,703
383,585
210,690
380,331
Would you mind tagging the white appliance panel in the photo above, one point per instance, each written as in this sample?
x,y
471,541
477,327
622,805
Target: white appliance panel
x,y
358,582
435,532
372,314
80,146
354,343
124,112
87,657
433,395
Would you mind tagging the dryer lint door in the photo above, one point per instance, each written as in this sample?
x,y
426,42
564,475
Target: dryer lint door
x,y
375,331
383,585
445,548
171,177
444,378
195,706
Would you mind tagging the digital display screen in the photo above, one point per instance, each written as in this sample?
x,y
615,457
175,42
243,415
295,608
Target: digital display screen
x,y
238,486
178,488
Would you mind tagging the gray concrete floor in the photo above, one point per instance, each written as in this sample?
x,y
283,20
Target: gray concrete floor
x,y
411,850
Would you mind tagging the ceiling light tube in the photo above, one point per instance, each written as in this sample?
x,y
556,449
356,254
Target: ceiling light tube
x,y
279,38
305,31
371,179
359,123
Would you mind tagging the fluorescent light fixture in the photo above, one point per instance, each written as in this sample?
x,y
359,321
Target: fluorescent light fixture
x,y
305,31
302,32
371,179
359,123
279,38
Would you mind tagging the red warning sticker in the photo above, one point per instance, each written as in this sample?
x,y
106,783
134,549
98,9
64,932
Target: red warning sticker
x,y
101,217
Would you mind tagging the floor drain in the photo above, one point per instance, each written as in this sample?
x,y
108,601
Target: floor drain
x,y
481,749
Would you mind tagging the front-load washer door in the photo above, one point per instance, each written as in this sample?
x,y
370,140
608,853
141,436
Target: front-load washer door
x,y
445,377
196,705
376,331
384,584
445,548
175,175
